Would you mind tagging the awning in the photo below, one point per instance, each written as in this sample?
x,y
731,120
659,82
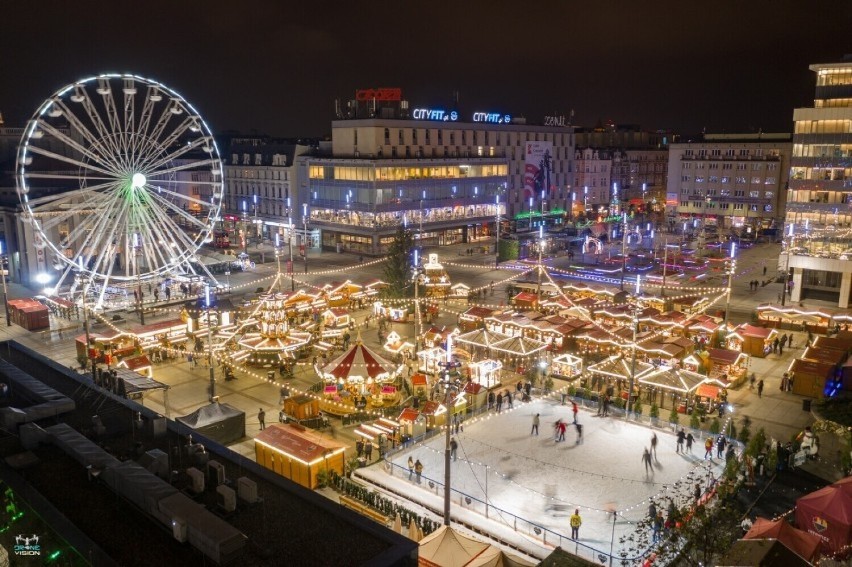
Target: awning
x,y
707,391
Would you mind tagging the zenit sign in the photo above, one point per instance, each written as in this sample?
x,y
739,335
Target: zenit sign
x,y
492,117
434,114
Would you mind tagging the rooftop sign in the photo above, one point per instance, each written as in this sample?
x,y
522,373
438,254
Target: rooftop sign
x,y
392,94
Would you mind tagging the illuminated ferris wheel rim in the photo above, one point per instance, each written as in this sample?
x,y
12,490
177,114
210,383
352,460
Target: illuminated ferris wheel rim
x,y
126,192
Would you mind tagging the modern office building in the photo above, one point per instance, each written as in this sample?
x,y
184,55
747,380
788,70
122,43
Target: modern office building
x,y
446,173
730,181
818,244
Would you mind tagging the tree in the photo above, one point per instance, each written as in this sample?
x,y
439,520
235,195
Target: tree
x,y
397,267
704,536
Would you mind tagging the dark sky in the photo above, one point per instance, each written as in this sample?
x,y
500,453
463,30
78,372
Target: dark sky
x,y
276,66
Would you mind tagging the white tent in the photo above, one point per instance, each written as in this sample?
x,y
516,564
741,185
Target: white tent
x,y
446,547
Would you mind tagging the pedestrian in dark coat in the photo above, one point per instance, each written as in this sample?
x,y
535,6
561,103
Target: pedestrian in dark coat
x,y
359,448
368,450
689,440
454,446
760,388
720,446
654,445
681,437
499,402
418,470
490,400
646,458
261,417
579,428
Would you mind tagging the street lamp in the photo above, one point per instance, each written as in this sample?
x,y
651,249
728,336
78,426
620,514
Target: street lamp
x,y
137,255
290,242
786,282
5,291
244,218
540,250
210,343
417,273
623,248
305,233
449,389
732,267
278,258
636,310
497,228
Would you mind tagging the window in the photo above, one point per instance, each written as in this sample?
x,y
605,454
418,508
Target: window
x,y
716,152
756,166
687,153
741,180
356,137
755,180
686,178
726,179
738,206
754,194
414,135
713,179
727,166
400,137
768,195
741,166
724,206
699,179
743,152
769,181
729,153
702,153
387,135
725,192
739,193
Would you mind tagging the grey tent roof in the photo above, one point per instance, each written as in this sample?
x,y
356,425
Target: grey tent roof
x,y
210,414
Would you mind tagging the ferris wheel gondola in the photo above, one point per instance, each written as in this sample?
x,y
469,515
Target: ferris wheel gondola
x,y
120,180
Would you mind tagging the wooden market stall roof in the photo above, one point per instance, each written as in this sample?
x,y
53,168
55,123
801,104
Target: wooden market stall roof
x,y
724,356
477,312
480,338
825,355
837,343
297,442
710,388
746,330
812,367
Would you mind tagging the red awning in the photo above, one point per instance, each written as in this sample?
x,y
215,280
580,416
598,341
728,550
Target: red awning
x,y
707,391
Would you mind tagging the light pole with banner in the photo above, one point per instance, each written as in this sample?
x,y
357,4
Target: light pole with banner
x,y
3,265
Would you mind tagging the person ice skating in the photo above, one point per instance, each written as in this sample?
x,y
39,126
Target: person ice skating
x,y
689,440
646,458
708,448
681,437
576,521
536,421
418,470
410,467
574,409
760,388
579,428
562,428
720,446
556,429
654,445
454,446
261,418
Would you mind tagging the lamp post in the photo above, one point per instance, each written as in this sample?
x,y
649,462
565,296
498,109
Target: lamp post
x,y
305,233
623,248
787,265
585,202
450,388
636,310
290,242
137,255
244,217
732,268
497,228
210,344
5,291
540,250
416,274
278,258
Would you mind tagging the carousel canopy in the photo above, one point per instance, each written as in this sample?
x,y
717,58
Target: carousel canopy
x,y
620,367
519,346
359,361
674,379
481,338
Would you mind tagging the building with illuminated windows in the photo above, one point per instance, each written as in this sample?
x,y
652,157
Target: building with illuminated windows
x,y
818,229
446,174
734,182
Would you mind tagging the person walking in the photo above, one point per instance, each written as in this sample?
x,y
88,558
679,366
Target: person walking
x,y
410,467
261,418
646,458
654,445
490,401
508,396
499,401
689,440
760,388
454,447
681,437
418,470
576,521
535,423
708,448
359,448
790,340
720,446
368,450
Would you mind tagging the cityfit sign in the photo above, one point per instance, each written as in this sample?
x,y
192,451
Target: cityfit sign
x,y
492,117
434,114
393,94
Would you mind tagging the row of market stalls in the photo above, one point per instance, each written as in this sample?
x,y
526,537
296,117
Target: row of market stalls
x,y
819,321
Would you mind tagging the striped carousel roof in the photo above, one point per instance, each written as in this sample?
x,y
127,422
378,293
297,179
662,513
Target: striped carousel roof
x,y
361,362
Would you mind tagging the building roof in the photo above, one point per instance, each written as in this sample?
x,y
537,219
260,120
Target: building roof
x,y
297,442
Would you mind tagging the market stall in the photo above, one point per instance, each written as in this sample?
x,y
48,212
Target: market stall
x,y
679,383
754,341
297,453
616,369
729,366
430,360
359,370
474,318
795,318
567,366
486,372
810,378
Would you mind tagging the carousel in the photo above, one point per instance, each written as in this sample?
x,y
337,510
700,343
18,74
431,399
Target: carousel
x,y
436,280
567,366
274,343
358,376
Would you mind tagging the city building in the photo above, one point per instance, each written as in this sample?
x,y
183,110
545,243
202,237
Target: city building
x,y
817,238
592,185
447,173
639,164
734,182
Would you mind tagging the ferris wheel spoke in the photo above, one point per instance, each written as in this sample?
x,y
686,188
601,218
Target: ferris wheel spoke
x,y
100,230
54,216
115,128
182,197
77,124
186,166
168,205
94,156
91,195
69,160
160,125
180,150
102,130
129,91
162,219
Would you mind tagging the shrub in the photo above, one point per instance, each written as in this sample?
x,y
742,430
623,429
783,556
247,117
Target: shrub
x,y
674,417
715,426
637,406
745,431
695,420
655,411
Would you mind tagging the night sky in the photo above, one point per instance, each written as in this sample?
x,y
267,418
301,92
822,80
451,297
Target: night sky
x,y
276,67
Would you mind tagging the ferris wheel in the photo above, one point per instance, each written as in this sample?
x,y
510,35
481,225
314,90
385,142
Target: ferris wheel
x,y
120,180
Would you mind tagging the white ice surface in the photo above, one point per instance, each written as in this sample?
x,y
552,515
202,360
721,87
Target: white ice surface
x,y
541,481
